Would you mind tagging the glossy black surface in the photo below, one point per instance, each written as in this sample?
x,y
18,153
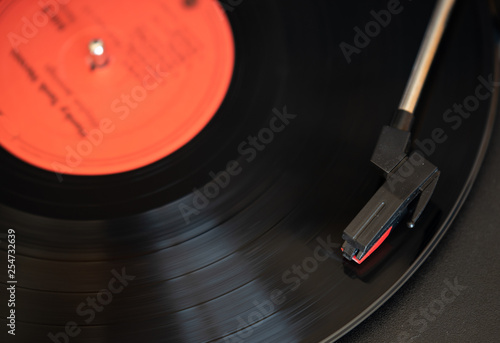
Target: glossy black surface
x,y
197,282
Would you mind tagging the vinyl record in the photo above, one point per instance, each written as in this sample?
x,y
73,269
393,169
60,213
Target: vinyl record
x,y
233,233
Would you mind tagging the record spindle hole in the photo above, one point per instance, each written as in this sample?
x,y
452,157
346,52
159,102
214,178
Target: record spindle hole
x,y
98,54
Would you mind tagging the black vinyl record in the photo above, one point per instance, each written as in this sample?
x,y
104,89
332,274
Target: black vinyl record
x,y
236,236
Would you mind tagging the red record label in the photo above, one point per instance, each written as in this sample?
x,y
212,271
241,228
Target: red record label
x,y
94,87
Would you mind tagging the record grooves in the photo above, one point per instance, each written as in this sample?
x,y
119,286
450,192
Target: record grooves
x,y
236,235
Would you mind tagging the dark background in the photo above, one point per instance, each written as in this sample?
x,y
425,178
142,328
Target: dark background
x,y
470,251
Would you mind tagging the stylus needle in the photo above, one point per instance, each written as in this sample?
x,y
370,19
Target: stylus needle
x,y
390,203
